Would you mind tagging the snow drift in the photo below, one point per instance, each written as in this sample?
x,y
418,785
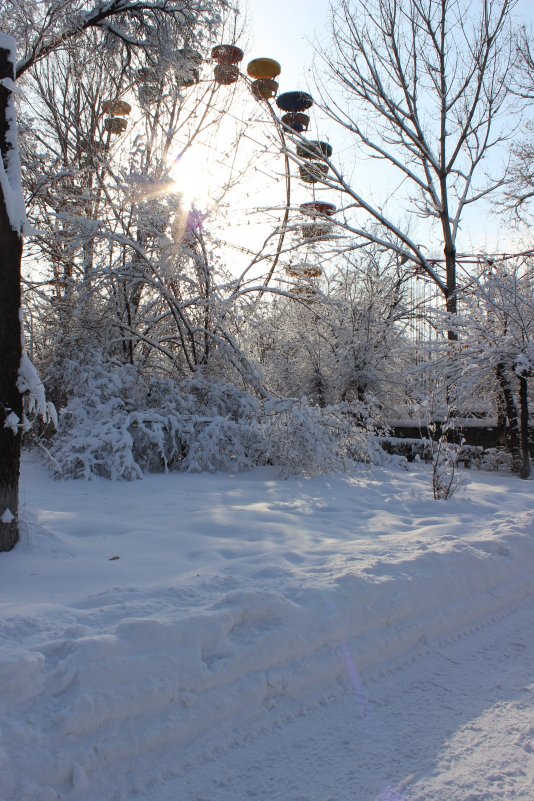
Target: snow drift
x,y
140,626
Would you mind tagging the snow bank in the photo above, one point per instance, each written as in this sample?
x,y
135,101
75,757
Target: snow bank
x,y
137,624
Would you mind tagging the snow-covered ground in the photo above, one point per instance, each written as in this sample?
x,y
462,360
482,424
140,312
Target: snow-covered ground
x,y
207,638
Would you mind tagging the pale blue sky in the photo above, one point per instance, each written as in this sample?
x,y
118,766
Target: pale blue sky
x,y
287,29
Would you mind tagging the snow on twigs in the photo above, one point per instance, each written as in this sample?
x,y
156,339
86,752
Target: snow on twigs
x,y
30,385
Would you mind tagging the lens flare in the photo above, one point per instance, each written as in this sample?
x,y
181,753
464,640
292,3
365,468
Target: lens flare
x,y
190,176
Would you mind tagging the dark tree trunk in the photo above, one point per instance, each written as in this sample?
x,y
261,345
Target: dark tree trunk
x,y
501,420
451,298
10,342
449,246
524,472
514,444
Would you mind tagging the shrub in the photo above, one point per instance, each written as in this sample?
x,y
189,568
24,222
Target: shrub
x,y
118,425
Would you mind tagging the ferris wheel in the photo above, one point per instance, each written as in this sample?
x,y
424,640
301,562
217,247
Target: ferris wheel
x,y
312,156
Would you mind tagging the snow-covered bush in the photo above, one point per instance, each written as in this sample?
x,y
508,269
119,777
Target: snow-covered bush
x,y
119,425
299,437
446,480
496,459
295,439
218,444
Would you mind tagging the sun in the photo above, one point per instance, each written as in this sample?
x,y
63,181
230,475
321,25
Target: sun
x,y
191,177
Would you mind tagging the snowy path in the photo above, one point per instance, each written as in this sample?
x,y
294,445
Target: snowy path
x,y
205,638
457,724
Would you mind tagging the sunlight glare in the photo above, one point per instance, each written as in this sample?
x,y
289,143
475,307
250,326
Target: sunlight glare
x,y
191,177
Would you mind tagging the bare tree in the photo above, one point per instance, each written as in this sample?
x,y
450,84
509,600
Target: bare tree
x,y
519,193
523,78
40,29
112,220
340,338
421,86
496,351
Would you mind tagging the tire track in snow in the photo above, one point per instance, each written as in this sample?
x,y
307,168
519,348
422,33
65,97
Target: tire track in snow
x,y
456,724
